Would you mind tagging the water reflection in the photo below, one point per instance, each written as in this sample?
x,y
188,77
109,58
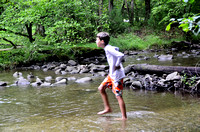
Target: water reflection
x,y
73,108
179,59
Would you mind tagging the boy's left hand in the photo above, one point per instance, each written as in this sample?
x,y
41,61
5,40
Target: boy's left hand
x,y
117,67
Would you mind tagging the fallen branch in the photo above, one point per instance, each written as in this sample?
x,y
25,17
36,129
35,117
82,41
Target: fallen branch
x,y
157,69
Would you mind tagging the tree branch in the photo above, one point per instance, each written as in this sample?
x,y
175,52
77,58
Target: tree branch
x,y
17,33
10,42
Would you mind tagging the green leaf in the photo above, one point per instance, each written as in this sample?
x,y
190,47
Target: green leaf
x,y
169,25
191,1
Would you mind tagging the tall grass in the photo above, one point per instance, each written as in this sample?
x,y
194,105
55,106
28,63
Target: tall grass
x,y
133,42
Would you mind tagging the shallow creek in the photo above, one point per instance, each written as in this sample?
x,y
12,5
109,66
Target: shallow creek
x,y
73,107
180,58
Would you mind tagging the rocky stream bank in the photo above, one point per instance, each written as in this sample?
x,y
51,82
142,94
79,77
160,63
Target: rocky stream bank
x,y
95,66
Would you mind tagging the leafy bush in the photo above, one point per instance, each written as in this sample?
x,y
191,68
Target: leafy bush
x,y
117,24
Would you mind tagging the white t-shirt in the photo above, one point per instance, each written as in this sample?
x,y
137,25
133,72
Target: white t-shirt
x,y
114,58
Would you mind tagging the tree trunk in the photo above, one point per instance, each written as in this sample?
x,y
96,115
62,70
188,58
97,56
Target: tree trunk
x,y
127,8
145,68
110,6
147,9
123,7
136,12
29,31
40,30
132,13
100,7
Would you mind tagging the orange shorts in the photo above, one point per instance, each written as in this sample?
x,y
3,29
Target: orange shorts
x,y
116,87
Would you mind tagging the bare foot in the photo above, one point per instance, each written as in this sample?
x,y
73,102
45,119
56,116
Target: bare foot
x,y
104,112
119,119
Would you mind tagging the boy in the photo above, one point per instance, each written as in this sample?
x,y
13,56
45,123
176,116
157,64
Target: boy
x,y
114,80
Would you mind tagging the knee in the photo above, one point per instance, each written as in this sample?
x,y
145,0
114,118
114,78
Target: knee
x,y
101,89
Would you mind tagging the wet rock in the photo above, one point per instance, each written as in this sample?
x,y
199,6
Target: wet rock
x,y
75,71
17,74
85,71
35,84
127,81
162,82
173,76
3,83
49,66
58,71
38,80
102,73
128,69
69,68
35,67
71,78
147,82
98,68
63,66
30,76
61,82
48,79
45,69
133,53
84,80
22,82
72,63
197,85
45,84
63,72
165,57
59,79
136,84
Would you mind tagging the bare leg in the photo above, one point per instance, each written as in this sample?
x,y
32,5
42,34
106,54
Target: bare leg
x,y
122,107
104,97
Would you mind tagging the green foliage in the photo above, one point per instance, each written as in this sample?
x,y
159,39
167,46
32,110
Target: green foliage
x,y
67,22
133,42
188,81
188,23
164,10
117,23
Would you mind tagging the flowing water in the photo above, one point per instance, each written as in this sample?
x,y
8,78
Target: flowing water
x,y
180,58
73,107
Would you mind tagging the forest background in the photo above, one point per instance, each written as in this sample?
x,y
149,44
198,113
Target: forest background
x,y
45,30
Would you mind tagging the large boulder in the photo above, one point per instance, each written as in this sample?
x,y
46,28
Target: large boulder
x,y
173,76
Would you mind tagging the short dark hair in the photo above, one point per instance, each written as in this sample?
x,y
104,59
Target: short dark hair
x,y
104,36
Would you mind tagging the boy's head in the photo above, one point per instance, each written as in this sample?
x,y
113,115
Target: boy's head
x,y
104,37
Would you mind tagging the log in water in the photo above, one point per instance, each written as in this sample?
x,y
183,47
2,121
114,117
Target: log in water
x,y
157,69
